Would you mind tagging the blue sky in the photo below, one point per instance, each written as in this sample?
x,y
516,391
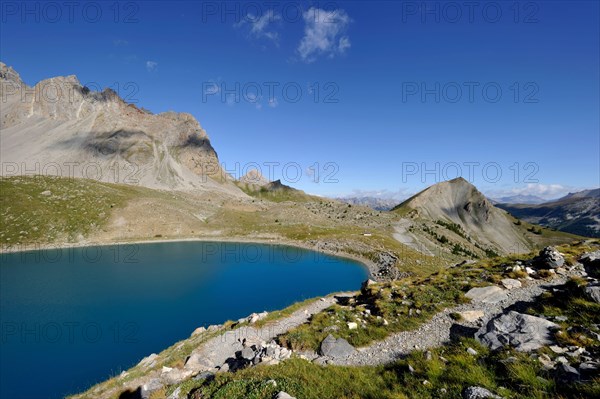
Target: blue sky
x,y
377,97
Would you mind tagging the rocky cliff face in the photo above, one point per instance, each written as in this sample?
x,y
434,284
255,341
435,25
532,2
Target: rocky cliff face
x,y
59,127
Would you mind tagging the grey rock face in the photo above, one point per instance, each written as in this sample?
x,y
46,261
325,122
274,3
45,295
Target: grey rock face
x,y
491,294
523,332
151,386
247,353
593,293
549,257
478,393
567,373
510,283
590,257
336,348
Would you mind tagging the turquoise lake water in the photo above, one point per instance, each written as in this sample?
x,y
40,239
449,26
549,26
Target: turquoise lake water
x,y
74,317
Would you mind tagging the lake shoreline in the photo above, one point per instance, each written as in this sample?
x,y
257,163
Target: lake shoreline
x,y
370,266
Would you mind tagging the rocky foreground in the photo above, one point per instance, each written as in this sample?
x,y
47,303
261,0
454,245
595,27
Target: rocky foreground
x,y
542,313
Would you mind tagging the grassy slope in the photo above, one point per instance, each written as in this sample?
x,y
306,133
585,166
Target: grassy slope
x,y
73,209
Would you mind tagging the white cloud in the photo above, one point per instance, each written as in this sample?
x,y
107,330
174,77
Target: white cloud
x,y
273,103
324,34
262,27
151,65
120,42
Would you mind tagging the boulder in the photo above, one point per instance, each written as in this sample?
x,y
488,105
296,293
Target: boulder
x,y
491,294
336,348
150,387
589,370
198,331
198,363
205,375
590,258
284,395
549,258
247,353
478,393
567,373
593,293
176,376
510,283
523,332
148,361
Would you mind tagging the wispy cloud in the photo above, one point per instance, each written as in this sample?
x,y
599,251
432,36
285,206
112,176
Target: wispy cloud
x,y
151,65
324,34
273,103
120,42
262,27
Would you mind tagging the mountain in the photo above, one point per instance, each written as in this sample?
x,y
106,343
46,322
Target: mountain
x,y
456,215
59,127
519,199
577,213
378,204
254,177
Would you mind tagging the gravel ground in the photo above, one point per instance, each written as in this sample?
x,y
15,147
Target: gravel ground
x,y
439,329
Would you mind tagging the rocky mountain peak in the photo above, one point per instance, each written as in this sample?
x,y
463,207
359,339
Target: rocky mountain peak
x,y
59,119
254,177
9,74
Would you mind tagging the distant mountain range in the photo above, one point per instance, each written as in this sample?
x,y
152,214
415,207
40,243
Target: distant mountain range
x,y
577,213
519,199
378,204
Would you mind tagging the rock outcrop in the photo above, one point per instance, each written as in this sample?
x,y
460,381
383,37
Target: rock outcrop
x,y
336,348
520,331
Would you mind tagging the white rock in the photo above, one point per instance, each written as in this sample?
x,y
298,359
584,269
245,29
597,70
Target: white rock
x,y
352,326
491,294
472,351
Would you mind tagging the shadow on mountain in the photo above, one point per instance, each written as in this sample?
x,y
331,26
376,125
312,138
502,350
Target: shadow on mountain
x,y
119,142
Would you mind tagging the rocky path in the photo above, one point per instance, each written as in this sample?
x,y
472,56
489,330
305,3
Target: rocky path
x,y
438,330
215,352
403,236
